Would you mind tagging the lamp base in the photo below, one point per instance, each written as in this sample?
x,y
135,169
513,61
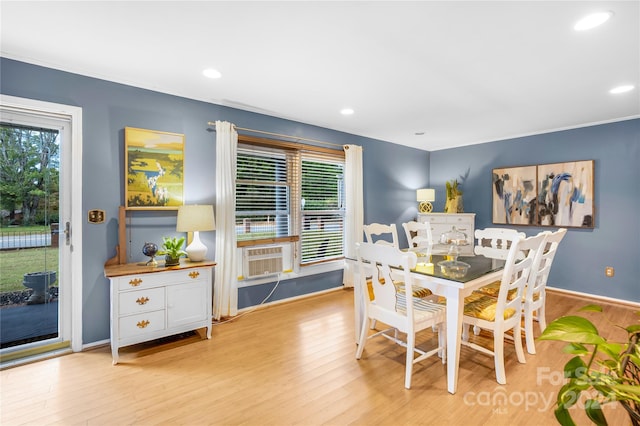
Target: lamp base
x,y
425,207
196,251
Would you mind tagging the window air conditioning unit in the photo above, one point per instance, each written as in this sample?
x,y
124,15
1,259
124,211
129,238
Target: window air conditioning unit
x,y
262,261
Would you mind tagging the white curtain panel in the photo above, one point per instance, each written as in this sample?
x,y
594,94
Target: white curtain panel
x,y
354,211
225,289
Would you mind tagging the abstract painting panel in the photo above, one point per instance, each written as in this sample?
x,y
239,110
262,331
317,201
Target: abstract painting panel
x,y
154,169
514,195
565,194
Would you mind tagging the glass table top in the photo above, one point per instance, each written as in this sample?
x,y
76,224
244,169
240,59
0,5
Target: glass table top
x,y
478,266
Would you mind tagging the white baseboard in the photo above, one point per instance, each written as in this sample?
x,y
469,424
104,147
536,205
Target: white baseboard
x,y
289,299
595,297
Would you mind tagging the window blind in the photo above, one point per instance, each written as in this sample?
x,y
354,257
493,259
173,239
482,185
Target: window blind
x,y
296,193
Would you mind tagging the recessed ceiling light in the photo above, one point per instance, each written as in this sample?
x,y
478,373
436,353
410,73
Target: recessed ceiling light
x,y
419,133
211,73
622,89
592,21
346,111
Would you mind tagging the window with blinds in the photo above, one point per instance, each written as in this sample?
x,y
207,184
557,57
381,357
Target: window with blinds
x,y
285,194
263,194
322,191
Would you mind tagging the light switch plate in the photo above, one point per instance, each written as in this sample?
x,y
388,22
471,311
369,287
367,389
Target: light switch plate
x,y
96,216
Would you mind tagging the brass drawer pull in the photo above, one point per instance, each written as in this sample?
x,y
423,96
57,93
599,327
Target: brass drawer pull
x,y
142,300
143,324
194,274
135,282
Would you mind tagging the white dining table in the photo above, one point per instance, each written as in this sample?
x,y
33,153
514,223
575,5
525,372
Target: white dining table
x,y
429,275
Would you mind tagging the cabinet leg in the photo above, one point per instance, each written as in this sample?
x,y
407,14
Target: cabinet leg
x,y
201,332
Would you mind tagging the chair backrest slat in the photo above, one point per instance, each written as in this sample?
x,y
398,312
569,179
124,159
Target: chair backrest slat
x,y
542,264
520,258
381,233
378,261
418,234
495,242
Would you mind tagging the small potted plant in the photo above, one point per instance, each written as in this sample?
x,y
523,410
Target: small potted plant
x,y
172,250
610,373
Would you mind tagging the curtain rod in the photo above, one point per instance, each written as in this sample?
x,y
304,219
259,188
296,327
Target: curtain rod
x,y
213,124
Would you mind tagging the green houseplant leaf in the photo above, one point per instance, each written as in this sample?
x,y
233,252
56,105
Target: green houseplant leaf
x,y
572,329
598,367
172,247
594,412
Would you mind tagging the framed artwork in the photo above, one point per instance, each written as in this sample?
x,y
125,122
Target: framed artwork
x,y
565,194
154,173
558,195
514,195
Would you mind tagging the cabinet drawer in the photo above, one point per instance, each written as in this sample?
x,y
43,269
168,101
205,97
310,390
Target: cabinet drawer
x,y
140,281
451,220
132,302
140,324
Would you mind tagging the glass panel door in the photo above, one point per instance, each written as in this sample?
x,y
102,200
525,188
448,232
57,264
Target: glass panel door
x,y
31,243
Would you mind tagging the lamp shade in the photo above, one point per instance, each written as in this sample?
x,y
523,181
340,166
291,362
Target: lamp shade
x,y
195,217
426,194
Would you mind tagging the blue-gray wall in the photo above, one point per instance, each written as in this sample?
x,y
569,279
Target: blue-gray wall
x,y
584,253
393,172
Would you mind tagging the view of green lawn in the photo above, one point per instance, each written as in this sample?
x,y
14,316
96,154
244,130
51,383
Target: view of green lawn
x,y
10,230
15,263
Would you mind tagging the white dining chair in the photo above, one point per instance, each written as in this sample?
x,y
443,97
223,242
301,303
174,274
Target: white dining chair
x,y
418,234
391,306
381,233
504,312
494,242
534,300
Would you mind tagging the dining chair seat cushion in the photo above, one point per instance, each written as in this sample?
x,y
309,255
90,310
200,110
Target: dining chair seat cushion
x,y
481,306
494,288
417,292
421,307
484,307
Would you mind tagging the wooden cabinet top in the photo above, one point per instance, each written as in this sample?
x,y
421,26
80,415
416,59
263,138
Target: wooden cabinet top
x,y
143,268
446,214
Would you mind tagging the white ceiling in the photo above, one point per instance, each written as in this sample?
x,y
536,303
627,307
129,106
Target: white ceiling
x,y
461,72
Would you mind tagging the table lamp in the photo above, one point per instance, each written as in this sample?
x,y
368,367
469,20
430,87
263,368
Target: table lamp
x,y
425,196
195,218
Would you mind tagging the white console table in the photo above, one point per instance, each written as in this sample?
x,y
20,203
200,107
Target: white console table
x,y
443,222
149,302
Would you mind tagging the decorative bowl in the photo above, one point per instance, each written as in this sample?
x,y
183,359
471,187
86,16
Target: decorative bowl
x,y
453,268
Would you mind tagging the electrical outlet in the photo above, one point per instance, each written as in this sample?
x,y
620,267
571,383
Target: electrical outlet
x,y
608,271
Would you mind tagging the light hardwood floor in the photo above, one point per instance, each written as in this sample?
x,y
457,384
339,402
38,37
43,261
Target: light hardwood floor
x,y
291,364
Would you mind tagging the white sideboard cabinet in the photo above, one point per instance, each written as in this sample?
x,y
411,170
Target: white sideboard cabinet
x,y
443,222
148,302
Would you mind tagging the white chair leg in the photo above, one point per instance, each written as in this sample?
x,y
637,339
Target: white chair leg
x,y
542,321
409,361
498,356
465,332
361,342
517,339
442,342
528,331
